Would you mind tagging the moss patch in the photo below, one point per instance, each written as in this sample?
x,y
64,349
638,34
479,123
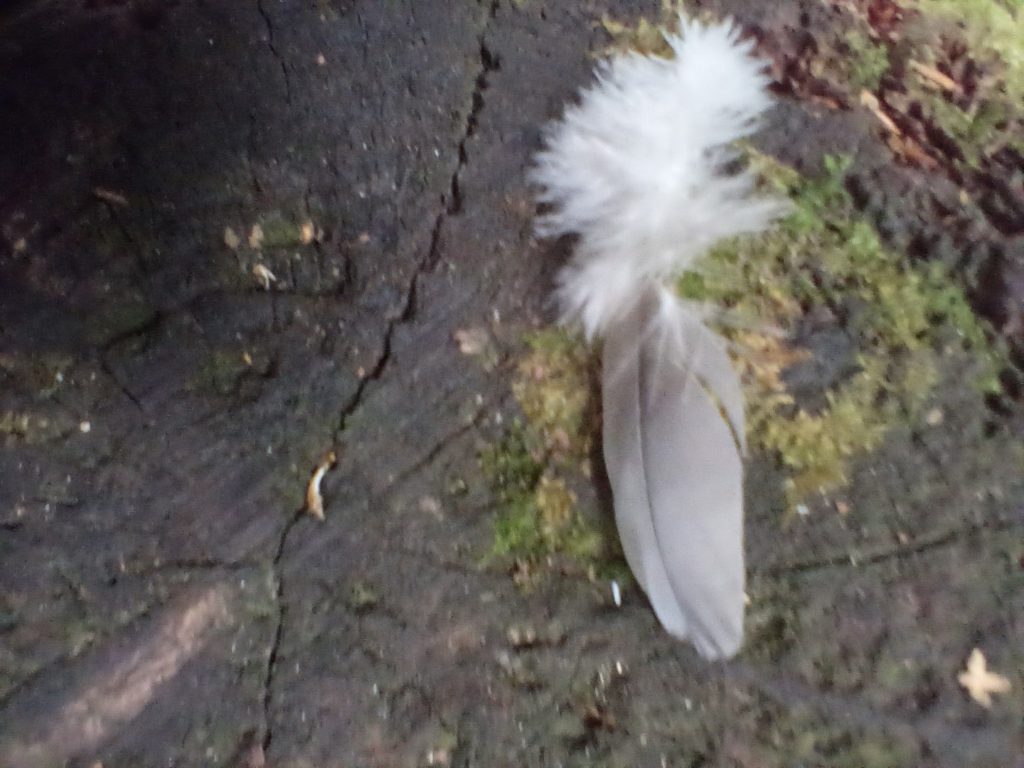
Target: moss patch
x,y
994,32
980,43
280,232
119,319
865,61
232,371
822,273
531,468
34,428
648,37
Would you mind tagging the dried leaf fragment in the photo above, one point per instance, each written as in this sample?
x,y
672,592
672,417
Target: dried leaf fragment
x,y
314,499
256,237
911,151
869,100
231,239
471,341
979,682
264,275
307,232
934,77
110,196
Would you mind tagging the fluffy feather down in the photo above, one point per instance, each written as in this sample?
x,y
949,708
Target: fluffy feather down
x,y
636,168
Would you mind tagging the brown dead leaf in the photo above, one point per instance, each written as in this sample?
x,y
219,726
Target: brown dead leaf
x,y
256,237
829,102
932,76
912,152
314,499
869,100
231,239
110,196
471,341
264,275
596,716
883,17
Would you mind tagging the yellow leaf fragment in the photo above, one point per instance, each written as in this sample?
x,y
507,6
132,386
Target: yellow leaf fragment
x,y
471,341
869,100
934,77
979,682
264,275
231,239
613,27
314,499
110,196
256,237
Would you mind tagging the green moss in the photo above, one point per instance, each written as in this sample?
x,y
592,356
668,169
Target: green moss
x,y
989,117
221,371
34,428
824,260
979,128
645,36
994,32
119,319
361,597
41,373
773,621
552,388
279,232
514,465
781,735
865,62
227,371
537,512
530,467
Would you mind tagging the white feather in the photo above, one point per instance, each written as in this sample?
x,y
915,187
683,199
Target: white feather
x,y
637,170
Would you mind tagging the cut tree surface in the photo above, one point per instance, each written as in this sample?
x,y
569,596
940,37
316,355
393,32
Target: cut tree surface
x,y
236,237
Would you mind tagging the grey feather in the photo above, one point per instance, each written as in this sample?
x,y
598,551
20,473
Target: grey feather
x,y
675,469
641,169
711,364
